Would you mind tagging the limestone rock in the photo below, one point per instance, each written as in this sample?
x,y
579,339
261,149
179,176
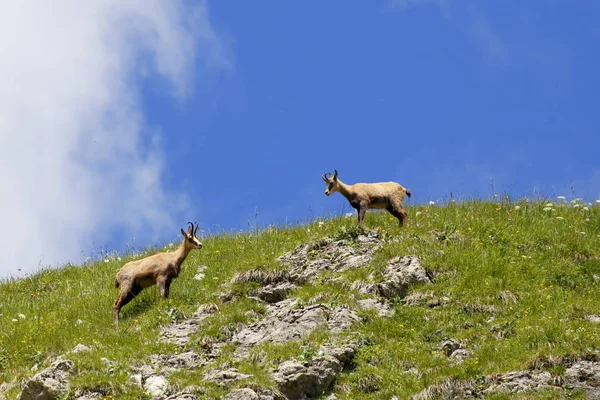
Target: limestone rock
x,y
179,332
80,348
49,384
310,379
401,273
225,377
383,308
156,385
284,322
327,254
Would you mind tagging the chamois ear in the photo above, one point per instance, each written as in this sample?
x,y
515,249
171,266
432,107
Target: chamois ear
x,y
335,175
183,233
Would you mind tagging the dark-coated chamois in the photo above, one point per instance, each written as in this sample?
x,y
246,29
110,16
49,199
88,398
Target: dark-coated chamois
x,y
362,196
159,269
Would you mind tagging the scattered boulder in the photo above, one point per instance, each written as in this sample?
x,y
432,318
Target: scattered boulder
x,y
50,383
364,287
520,381
383,308
275,292
262,276
285,322
307,380
225,377
89,395
328,254
182,396
156,385
450,346
250,394
451,389
187,360
179,332
593,318
401,273
80,348
585,375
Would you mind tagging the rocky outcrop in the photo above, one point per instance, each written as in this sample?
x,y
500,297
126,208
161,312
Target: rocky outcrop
x,y
310,379
400,274
307,260
179,332
49,384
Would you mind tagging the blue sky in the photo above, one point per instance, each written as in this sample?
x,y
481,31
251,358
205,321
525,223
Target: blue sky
x,y
216,111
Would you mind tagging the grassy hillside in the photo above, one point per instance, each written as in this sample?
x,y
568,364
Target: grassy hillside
x,y
520,280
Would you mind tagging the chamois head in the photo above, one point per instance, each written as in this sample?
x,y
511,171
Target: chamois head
x,y
331,181
190,237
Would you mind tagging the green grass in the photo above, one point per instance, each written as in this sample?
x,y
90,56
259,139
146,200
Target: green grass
x,y
548,259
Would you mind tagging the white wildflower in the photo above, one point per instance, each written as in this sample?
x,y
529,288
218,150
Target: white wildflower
x,y
349,215
14,320
547,208
559,218
22,316
561,197
585,208
432,203
575,205
106,260
549,205
418,213
598,201
587,220
118,258
308,230
78,322
517,207
321,223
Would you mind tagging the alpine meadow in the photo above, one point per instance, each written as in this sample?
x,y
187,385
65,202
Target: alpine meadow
x,y
478,299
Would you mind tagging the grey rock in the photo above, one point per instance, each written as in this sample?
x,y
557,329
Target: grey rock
x,y
585,375
80,348
383,308
401,273
450,346
310,379
182,396
451,389
593,318
225,377
242,394
364,287
519,382
156,385
169,362
327,254
275,292
179,332
284,322
89,396
50,383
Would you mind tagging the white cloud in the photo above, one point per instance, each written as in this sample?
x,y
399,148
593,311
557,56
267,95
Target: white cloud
x,y
77,159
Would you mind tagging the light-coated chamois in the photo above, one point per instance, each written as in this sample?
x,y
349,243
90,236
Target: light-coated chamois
x,y
159,269
362,196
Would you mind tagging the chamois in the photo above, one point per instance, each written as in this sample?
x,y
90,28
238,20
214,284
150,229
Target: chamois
x,y
362,196
159,269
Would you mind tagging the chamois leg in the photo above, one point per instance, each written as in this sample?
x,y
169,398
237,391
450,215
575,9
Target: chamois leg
x,y
164,284
361,216
397,210
128,292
